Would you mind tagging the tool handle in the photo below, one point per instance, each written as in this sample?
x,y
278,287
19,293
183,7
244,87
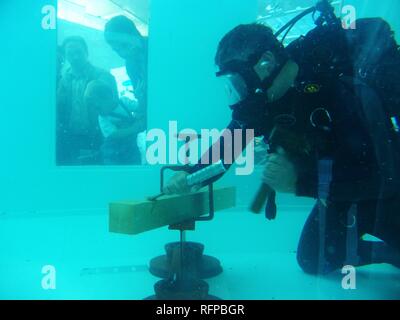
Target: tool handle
x,y
261,198
270,208
265,195
206,174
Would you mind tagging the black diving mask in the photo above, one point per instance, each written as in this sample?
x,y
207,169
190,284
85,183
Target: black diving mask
x,y
241,79
236,88
247,93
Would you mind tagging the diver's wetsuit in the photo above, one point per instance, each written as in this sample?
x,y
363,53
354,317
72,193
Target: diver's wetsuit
x,y
364,175
324,247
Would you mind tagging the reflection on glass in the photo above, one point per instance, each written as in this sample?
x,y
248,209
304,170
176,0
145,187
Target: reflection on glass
x,y
276,13
101,82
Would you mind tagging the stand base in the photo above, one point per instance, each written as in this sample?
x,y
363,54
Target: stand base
x,y
181,290
195,264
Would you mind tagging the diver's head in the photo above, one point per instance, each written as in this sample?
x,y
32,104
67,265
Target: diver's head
x,y
123,37
100,97
251,57
75,51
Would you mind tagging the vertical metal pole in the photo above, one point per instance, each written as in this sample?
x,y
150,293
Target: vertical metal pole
x,y
182,237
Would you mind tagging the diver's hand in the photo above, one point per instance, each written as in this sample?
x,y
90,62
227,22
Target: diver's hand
x,y
178,185
280,173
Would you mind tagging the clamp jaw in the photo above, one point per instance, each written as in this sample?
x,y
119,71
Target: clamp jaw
x,y
188,225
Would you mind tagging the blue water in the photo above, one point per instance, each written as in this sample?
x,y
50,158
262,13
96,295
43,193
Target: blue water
x,y
58,216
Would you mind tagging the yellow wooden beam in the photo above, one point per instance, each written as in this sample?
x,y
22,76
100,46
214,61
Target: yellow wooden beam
x,y
130,217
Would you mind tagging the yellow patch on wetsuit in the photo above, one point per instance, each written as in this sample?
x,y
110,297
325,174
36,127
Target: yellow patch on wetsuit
x,y
312,88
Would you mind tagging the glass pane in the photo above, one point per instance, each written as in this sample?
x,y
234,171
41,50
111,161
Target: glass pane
x,y
102,82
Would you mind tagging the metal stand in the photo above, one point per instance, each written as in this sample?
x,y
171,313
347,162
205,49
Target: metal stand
x,y
194,261
184,264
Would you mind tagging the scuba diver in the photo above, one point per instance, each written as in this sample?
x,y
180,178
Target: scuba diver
x,y
327,106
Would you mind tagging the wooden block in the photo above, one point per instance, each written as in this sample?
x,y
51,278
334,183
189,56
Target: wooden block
x,y
129,217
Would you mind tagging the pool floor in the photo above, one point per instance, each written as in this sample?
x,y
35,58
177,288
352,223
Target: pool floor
x,y
258,257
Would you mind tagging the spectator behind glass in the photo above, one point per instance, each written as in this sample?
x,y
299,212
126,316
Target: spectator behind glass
x,y
78,134
120,122
125,39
